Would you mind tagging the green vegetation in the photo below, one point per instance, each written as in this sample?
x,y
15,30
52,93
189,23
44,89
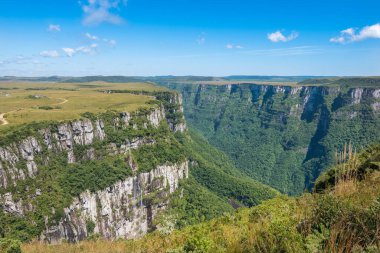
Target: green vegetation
x,y
58,182
222,207
343,217
45,107
10,246
201,198
214,170
352,82
281,139
215,186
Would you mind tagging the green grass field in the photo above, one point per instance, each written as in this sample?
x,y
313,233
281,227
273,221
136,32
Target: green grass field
x,y
32,102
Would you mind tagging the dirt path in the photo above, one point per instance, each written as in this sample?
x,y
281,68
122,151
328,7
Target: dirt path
x,y
64,101
3,121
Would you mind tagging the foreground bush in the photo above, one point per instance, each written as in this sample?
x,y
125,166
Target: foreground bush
x,y
10,246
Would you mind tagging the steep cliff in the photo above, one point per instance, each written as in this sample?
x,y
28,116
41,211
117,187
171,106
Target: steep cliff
x,y
123,210
108,174
283,136
116,175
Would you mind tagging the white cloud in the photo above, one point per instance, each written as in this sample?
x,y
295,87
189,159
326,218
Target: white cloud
x,y
54,28
99,11
352,34
51,54
368,32
232,46
87,49
338,40
91,37
349,31
111,43
69,51
278,36
91,49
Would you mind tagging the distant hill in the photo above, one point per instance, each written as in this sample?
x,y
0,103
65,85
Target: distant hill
x,y
300,80
347,82
271,78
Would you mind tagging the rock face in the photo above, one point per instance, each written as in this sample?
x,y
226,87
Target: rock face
x,y
79,133
156,117
356,95
301,126
178,125
18,159
11,206
9,161
123,210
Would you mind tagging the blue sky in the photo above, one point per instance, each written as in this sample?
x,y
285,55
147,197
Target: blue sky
x,y
189,37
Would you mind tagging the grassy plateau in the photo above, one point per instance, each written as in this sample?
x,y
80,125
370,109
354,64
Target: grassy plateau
x,y
31,102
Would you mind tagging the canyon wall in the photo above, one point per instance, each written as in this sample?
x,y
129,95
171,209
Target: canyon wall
x,y
283,136
33,169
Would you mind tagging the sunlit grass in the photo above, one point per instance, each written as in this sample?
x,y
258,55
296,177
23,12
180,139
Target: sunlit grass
x,y
66,101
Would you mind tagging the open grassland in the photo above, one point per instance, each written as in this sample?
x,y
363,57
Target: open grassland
x,y
31,102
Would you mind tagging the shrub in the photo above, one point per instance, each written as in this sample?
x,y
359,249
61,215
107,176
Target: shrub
x,y
10,246
45,107
198,242
90,226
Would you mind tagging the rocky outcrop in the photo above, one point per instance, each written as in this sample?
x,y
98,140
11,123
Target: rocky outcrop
x,y
177,124
128,145
123,210
295,90
376,93
9,161
66,136
376,106
356,95
11,206
83,132
18,159
156,116
28,149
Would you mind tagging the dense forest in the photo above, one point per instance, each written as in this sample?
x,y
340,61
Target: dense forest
x,y
282,135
